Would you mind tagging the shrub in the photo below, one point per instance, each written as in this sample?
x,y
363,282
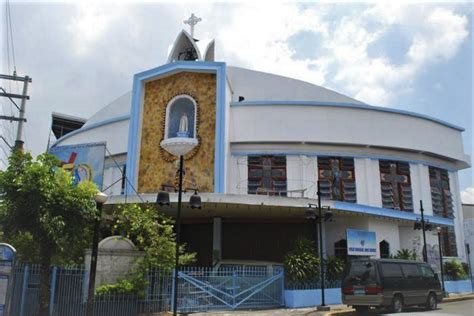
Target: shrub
x,y
134,286
405,254
454,270
301,263
465,267
334,268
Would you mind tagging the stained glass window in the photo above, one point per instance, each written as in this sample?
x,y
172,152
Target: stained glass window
x,y
267,175
396,185
442,201
337,178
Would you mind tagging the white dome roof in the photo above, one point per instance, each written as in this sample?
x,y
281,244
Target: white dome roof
x,y
255,85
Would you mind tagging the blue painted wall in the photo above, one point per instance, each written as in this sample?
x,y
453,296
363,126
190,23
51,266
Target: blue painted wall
x,y
308,298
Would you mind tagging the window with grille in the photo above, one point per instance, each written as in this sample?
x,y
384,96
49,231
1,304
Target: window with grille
x,y
396,185
267,175
337,178
442,202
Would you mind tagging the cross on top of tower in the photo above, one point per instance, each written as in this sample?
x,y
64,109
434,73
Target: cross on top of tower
x,y
192,21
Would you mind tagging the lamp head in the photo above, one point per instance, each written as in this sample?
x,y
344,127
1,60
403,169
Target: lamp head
x,y
195,201
163,198
417,226
310,214
101,198
328,215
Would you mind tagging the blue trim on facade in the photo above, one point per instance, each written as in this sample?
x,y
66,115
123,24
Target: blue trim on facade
x,y
322,154
384,212
92,126
344,105
135,120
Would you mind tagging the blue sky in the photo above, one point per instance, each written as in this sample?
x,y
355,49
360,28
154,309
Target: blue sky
x,y
82,55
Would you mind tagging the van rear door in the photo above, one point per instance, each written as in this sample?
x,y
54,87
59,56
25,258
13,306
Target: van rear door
x,y
361,278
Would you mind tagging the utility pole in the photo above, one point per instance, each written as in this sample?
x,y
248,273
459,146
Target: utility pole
x,y
21,118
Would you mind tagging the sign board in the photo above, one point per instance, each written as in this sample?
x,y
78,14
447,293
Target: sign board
x,y
7,255
361,243
84,161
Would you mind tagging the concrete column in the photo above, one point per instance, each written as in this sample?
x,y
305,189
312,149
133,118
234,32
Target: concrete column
x,y
216,239
421,189
458,214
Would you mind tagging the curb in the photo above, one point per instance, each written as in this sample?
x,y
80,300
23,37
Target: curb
x,y
457,298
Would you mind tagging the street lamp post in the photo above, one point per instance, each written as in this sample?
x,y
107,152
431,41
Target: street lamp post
x,y
440,258
178,146
319,219
424,226
100,199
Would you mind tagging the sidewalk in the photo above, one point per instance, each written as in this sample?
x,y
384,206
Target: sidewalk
x,y
311,311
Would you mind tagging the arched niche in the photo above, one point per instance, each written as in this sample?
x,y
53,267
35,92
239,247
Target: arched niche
x,y
384,247
181,106
340,249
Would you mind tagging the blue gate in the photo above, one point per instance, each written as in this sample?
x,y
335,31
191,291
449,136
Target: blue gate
x,y
204,289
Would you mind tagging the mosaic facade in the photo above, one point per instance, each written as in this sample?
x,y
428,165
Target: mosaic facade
x,y
156,166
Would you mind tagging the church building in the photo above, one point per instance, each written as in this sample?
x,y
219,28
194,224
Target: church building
x,y
263,142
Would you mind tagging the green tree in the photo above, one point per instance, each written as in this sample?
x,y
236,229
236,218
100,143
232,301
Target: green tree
x,y
41,209
152,232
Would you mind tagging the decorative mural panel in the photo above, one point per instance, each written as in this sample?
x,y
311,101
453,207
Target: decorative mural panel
x,y
337,178
442,201
267,175
185,94
396,185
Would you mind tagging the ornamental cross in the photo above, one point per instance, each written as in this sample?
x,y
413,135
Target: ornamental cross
x,y
394,179
192,21
336,175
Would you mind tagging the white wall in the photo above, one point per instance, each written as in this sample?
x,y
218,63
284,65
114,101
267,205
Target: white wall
x,y
237,175
421,189
336,230
368,187
322,124
385,230
115,134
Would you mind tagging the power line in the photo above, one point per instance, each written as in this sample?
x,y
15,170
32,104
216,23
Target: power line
x,y
10,34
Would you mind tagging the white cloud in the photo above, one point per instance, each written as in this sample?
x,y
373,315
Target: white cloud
x,y
91,22
260,41
467,195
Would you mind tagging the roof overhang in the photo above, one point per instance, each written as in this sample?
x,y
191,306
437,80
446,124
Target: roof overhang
x,y
271,207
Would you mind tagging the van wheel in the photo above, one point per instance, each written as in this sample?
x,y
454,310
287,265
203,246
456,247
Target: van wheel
x,y
431,302
397,304
361,309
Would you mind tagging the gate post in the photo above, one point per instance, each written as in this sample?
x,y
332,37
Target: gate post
x,y
233,289
173,289
53,290
23,290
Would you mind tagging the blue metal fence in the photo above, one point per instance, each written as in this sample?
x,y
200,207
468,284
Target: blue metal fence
x,y
200,289
204,289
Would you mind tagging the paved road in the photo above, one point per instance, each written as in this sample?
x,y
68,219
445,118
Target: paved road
x,y
454,308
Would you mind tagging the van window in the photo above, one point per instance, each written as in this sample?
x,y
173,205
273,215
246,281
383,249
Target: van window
x,y
411,270
391,270
361,271
427,272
